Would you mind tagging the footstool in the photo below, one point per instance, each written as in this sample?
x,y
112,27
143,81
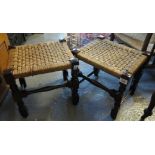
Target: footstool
x,y
118,60
30,60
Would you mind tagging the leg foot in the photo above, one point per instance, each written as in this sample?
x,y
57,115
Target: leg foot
x,y
148,111
114,112
23,110
75,98
119,95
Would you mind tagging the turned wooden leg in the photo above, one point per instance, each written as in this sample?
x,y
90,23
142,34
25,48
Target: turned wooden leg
x,y
96,72
118,99
119,95
135,82
10,80
22,82
148,111
65,75
75,81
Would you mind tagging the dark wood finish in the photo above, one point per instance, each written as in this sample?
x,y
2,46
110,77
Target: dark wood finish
x,y
22,82
97,84
96,71
148,111
19,94
3,89
87,76
135,82
65,75
75,81
10,80
146,41
112,37
116,94
25,93
124,80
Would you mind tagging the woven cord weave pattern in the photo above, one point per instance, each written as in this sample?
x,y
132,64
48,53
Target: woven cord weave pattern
x,y
28,60
111,57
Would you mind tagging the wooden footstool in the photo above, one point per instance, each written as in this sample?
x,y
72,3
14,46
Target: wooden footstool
x,y
29,60
117,60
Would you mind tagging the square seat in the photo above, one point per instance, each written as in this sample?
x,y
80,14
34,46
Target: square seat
x,y
111,57
29,60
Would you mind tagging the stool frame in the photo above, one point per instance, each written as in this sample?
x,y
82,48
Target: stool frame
x,y
116,94
18,94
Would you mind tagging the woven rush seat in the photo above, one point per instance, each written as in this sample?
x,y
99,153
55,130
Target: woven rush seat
x,y
28,60
112,57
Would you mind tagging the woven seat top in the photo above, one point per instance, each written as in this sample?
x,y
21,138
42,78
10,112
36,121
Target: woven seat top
x,y
112,57
29,60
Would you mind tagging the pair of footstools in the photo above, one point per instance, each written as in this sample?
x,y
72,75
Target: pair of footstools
x,y
118,60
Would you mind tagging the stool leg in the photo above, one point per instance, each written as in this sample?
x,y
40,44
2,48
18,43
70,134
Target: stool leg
x,y
22,82
118,99
148,111
65,75
135,82
10,80
75,82
96,72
